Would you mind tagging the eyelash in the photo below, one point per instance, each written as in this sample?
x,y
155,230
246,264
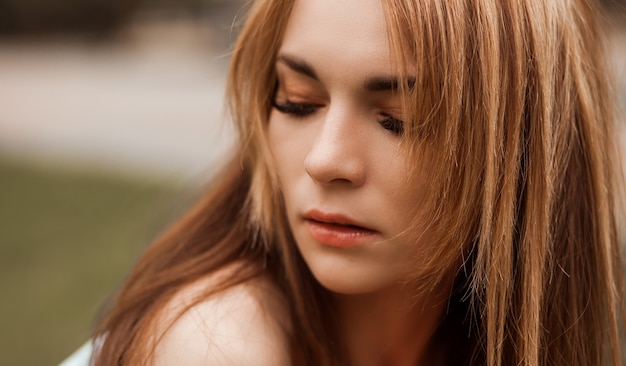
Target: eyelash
x,y
387,122
391,124
295,109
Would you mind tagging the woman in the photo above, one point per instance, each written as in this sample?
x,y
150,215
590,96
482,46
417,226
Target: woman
x,y
419,182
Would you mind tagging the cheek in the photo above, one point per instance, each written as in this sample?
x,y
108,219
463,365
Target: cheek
x,y
396,176
407,193
280,143
288,147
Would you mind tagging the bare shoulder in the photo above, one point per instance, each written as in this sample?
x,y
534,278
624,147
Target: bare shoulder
x,y
247,324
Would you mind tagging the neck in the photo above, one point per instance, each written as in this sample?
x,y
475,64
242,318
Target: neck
x,y
389,327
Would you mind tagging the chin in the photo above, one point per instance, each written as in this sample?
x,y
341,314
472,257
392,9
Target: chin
x,y
346,287
348,277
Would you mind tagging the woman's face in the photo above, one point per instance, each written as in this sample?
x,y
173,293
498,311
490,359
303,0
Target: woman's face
x,y
335,134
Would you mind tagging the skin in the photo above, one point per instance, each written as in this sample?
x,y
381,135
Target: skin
x,y
336,147
247,324
339,159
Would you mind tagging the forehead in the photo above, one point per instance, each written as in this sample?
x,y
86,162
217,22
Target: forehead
x,y
338,33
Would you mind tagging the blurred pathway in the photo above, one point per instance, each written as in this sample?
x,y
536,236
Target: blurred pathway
x,y
150,103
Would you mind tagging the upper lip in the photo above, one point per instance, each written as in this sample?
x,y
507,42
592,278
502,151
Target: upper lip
x,y
333,218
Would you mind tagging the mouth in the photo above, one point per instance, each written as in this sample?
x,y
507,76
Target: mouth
x,y
336,229
338,220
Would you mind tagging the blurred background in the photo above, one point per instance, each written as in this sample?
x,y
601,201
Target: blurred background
x,y
111,120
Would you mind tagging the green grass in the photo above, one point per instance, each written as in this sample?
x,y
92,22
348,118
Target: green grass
x,y
67,239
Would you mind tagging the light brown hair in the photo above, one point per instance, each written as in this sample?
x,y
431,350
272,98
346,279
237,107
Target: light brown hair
x,y
514,96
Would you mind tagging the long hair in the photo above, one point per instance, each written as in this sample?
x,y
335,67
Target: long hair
x,y
512,105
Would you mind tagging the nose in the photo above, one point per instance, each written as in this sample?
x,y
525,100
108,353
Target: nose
x,y
338,154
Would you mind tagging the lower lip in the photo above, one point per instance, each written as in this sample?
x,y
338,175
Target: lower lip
x,y
338,235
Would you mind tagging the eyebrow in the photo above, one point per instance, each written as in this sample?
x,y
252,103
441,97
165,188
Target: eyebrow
x,y
375,83
386,83
298,65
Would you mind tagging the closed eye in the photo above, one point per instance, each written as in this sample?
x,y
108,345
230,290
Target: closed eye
x,y
295,109
391,124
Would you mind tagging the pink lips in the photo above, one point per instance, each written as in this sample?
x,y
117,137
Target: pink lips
x,y
336,230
